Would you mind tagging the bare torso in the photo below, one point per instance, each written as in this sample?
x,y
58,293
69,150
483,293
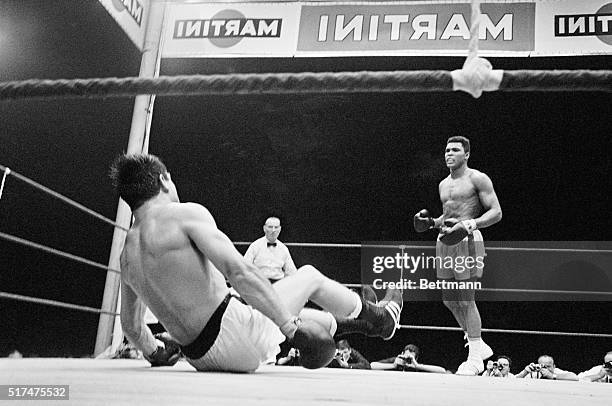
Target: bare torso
x,y
174,279
460,197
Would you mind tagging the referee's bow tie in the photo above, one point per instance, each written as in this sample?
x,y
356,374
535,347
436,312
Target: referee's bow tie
x,y
271,244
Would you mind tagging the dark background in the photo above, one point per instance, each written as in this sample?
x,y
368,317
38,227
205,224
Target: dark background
x,y
335,168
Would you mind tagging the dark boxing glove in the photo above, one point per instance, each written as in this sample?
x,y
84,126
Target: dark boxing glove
x,y
165,356
455,231
422,221
315,343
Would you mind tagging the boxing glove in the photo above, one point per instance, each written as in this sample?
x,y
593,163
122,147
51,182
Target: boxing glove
x,y
455,231
314,342
422,221
165,356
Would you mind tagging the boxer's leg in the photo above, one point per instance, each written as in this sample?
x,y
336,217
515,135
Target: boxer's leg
x,y
463,307
309,284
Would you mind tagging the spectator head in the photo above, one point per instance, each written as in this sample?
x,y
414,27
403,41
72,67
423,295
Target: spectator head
x,y
343,345
411,350
344,349
504,364
546,361
608,360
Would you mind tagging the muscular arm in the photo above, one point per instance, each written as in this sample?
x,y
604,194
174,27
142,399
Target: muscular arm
x,y
488,199
244,277
132,319
439,221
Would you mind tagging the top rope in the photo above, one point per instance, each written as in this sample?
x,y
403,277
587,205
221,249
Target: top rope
x,y
476,76
301,83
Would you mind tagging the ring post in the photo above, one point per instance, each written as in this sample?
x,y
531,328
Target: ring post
x,y
137,143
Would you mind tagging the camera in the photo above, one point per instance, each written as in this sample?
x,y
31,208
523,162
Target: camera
x,y
406,358
607,365
535,367
497,365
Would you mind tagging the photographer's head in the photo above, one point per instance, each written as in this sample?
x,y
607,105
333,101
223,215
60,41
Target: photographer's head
x,y
608,362
411,350
343,345
343,349
503,364
546,361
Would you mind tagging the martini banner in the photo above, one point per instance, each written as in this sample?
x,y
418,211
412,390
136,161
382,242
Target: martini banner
x,y
421,28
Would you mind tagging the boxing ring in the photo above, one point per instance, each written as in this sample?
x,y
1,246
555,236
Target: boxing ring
x,y
129,381
122,381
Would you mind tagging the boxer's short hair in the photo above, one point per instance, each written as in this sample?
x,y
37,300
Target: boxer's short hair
x,y
135,177
461,139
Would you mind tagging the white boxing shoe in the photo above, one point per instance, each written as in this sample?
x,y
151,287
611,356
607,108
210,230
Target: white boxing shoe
x,y
471,367
486,352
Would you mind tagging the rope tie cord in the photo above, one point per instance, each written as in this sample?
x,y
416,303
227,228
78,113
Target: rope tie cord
x,y
474,29
306,83
477,74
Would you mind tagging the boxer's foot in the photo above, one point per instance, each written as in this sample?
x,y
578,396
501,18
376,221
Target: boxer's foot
x,y
471,367
368,294
486,352
384,317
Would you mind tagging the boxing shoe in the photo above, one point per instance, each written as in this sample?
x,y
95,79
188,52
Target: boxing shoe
x,y
367,293
383,318
471,367
486,352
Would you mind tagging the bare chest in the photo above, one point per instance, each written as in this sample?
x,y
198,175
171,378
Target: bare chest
x,y
459,198
461,189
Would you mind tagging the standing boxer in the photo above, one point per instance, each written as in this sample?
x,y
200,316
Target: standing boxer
x,y
469,203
